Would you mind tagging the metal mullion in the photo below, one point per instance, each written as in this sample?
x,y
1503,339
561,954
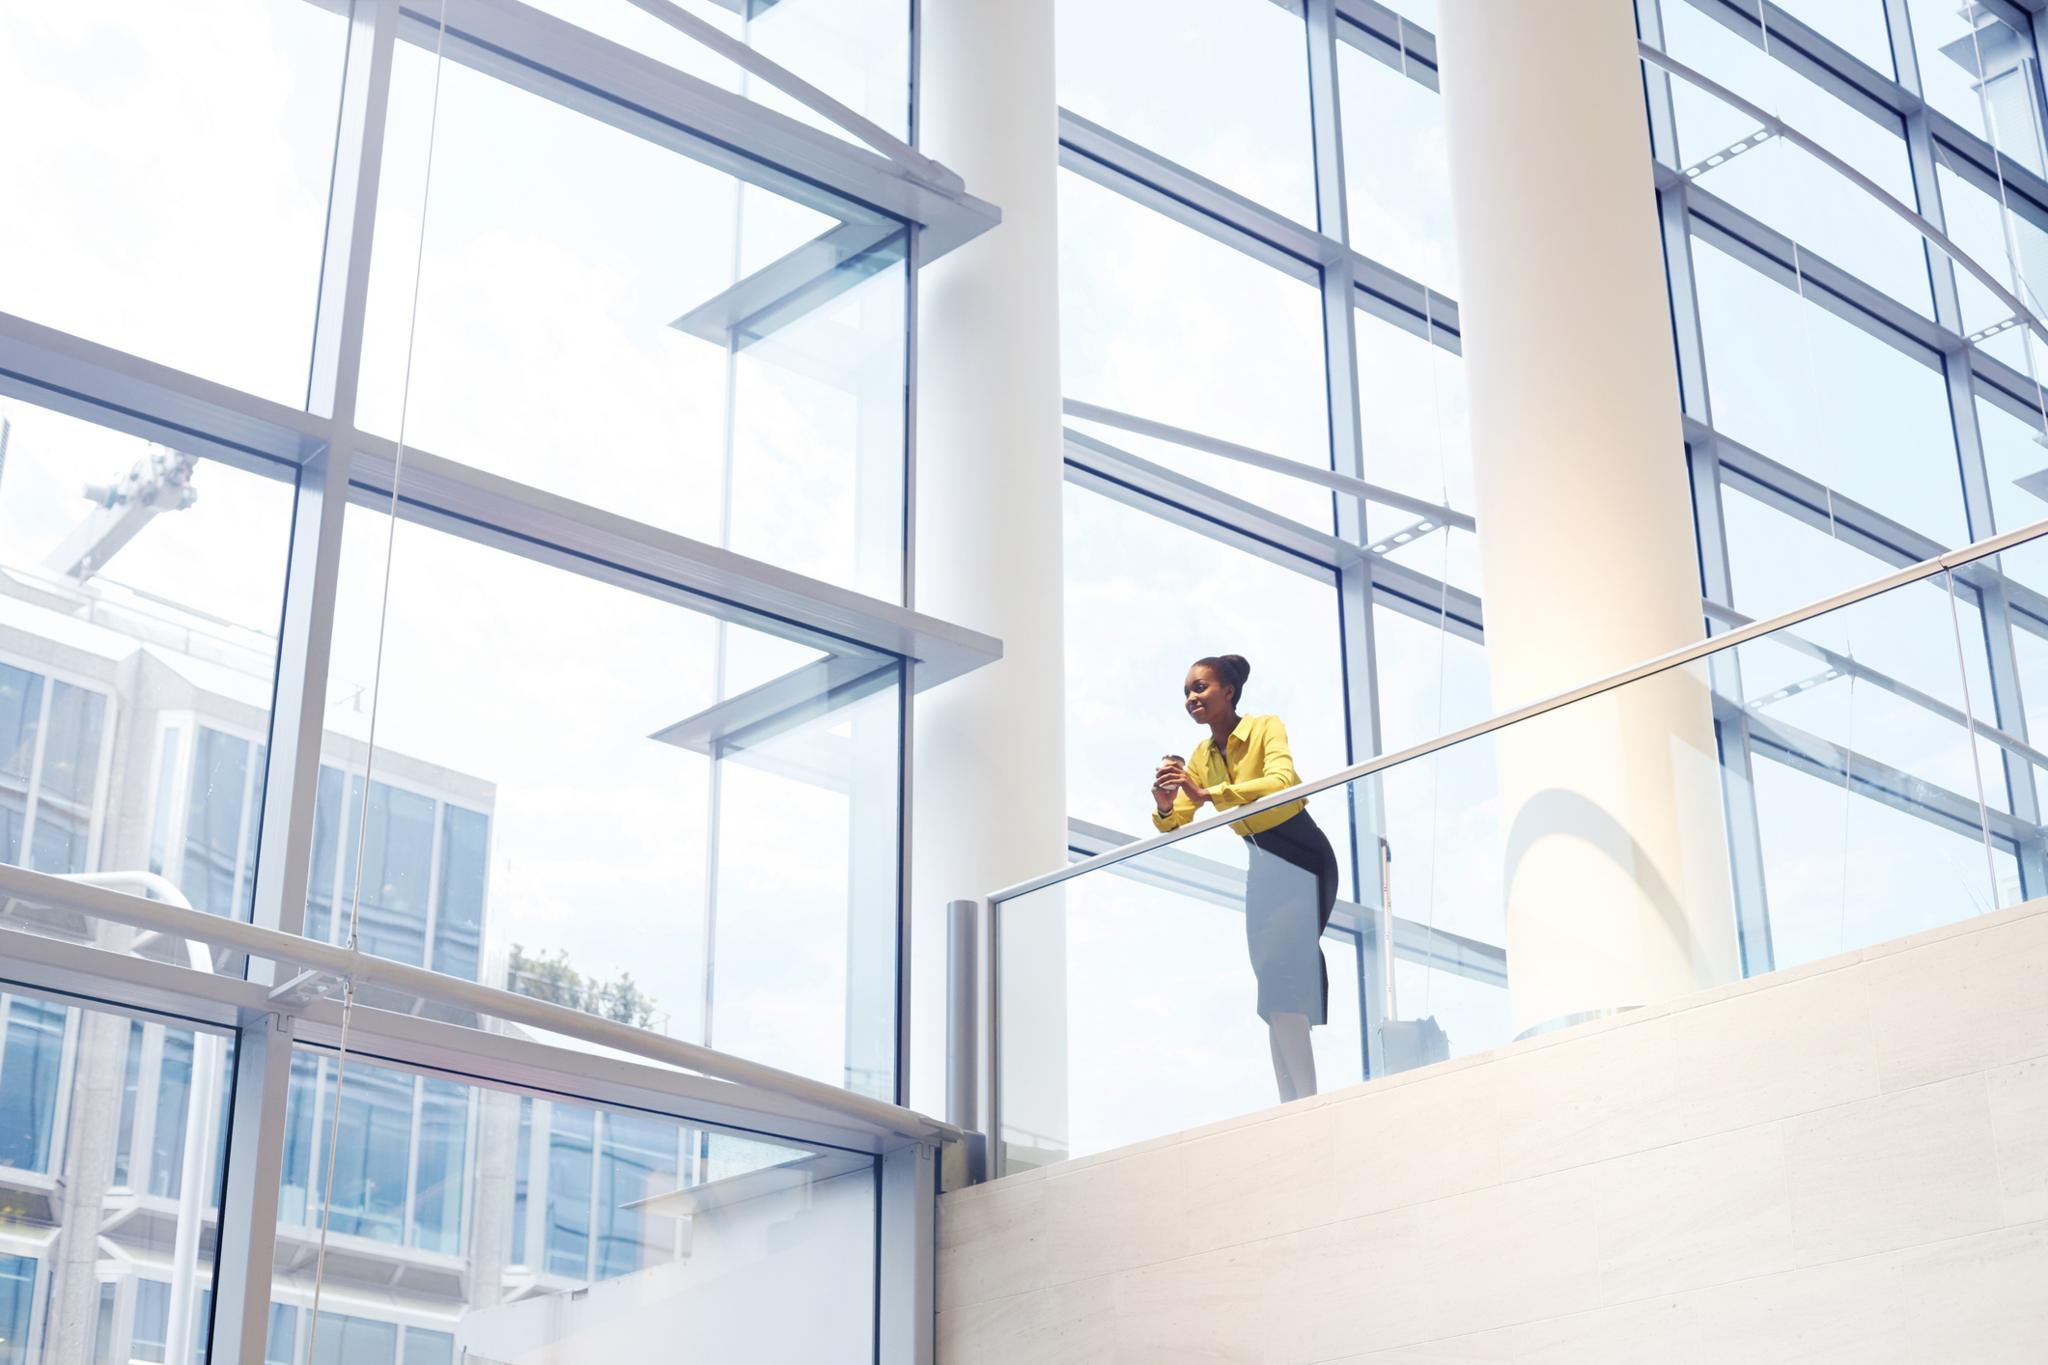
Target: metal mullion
x,y
1354,601
1769,252
248,1221
1884,784
1815,57
433,889
32,795
148,1095
1743,823
2007,710
412,1159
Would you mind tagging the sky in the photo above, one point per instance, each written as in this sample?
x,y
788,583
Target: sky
x,y
183,219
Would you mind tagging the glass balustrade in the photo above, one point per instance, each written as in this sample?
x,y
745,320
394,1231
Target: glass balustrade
x,y
1752,804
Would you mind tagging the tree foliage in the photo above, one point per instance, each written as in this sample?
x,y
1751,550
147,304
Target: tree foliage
x,y
550,977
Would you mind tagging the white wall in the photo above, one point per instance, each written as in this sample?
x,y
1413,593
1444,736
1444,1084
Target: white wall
x,y
1842,1162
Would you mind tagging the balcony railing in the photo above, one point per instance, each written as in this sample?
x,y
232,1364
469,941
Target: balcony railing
x,y
1778,792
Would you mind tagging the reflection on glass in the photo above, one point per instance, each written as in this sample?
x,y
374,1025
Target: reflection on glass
x,y
656,1238
103,1119
140,591
226,108
540,805
683,347
1219,86
1979,70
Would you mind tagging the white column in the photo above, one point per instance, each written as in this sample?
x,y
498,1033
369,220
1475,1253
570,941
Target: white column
x,y
990,773
1610,814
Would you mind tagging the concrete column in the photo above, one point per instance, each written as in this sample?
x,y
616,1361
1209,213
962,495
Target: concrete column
x,y
1610,814
990,772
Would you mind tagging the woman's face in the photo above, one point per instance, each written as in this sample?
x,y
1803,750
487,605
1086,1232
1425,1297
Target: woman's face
x,y
1207,696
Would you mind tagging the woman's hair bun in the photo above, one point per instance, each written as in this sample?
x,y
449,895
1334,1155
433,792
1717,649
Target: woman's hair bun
x,y
1231,668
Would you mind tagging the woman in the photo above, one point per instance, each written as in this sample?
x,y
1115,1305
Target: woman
x,y
1292,884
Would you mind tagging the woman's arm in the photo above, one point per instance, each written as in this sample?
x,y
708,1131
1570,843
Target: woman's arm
x,y
1276,769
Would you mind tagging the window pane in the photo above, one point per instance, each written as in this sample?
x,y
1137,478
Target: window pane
x,y
1162,322
21,718
1417,442
131,1081
1144,599
321,879
2007,235
556,733
17,1301
857,51
71,764
522,1167
614,351
568,1197
1220,86
103,1328
459,912
173,1105
438,1185
639,1162
152,1320
29,1069
428,1348
1858,25
1979,72
655,1231
60,1070
140,598
397,851
1397,175
369,1157
166,803
1821,395
214,820
226,108
346,1340
1787,188
281,1344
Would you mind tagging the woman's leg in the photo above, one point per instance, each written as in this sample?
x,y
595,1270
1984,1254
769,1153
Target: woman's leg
x,y
1294,1061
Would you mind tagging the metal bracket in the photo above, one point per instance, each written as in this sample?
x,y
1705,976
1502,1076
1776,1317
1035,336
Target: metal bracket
x,y
307,987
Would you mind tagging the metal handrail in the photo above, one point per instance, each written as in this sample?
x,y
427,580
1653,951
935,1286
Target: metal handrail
x,y
295,950
1677,658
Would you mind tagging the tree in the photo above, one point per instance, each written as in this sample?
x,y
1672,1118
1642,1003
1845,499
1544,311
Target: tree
x,y
550,977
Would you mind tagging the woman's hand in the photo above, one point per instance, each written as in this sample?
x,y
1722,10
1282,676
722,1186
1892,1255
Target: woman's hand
x,y
1197,793
1166,782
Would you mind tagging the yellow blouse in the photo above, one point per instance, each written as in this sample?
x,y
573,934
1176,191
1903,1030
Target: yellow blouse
x,y
1257,765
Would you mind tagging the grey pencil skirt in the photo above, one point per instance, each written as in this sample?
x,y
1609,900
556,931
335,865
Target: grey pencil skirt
x,y
1288,895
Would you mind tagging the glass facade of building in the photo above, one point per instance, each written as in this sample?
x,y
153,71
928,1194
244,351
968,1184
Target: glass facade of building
x,y
470,530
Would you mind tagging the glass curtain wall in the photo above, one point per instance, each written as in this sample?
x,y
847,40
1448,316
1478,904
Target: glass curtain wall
x,y
1859,397
1258,292
453,463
